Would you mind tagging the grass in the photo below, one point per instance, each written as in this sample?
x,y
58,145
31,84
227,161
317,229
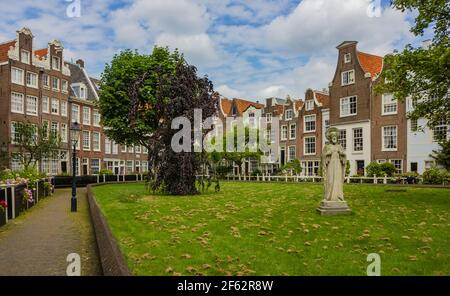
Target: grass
x,y
273,229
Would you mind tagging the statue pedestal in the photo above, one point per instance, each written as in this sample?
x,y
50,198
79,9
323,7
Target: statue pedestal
x,y
334,208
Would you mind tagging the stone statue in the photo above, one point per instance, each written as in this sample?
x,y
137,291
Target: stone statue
x,y
333,169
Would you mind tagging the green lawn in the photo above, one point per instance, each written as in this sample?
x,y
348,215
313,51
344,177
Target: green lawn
x,y
273,229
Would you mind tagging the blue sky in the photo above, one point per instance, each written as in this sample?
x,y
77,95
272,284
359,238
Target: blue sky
x,y
251,49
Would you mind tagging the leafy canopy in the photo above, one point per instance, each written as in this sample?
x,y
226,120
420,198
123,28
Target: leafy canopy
x,y
423,73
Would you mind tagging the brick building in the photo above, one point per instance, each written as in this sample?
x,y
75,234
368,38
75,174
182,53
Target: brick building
x,y
34,88
39,87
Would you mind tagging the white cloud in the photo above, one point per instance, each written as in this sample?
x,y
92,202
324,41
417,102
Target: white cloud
x,y
227,91
198,49
251,49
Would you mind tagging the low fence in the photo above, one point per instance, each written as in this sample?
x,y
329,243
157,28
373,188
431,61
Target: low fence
x,y
12,195
83,181
318,179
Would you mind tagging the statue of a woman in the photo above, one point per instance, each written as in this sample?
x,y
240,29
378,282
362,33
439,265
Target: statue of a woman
x,y
333,168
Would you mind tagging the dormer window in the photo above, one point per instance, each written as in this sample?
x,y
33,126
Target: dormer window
x,y
80,90
309,105
347,58
56,63
288,114
25,56
234,111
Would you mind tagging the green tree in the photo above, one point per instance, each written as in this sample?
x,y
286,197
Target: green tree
x,y
442,156
423,74
293,166
388,169
239,157
33,143
374,169
140,97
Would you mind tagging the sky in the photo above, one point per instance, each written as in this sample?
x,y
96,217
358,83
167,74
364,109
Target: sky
x,y
251,49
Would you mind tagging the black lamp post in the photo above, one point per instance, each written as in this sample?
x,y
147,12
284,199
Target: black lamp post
x,y
74,134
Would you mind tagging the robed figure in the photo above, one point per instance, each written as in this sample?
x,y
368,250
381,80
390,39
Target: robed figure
x,y
333,168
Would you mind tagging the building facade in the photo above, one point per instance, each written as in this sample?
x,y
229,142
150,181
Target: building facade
x,y
38,86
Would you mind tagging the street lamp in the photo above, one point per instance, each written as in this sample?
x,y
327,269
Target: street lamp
x,y
74,135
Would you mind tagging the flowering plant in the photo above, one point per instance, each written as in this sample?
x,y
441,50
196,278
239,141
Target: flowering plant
x,y
28,195
3,205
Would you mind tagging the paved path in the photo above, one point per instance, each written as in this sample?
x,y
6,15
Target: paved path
x,y
38,241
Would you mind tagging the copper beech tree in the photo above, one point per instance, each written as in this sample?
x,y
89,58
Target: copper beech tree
x,y
139,98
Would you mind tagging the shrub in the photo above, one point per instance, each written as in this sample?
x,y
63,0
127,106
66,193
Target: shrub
x,y
256,172
223,170
435,176
105,172
374,169
388,169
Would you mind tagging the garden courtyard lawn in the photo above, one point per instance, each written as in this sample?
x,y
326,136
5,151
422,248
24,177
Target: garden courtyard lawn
x,y
274,229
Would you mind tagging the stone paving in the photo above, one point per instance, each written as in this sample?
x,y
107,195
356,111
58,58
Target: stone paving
x,y
38,241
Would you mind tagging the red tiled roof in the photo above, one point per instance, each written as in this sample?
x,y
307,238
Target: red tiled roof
x,y
4,48
371,63
243,105
226,105
299,105
40,53
323,99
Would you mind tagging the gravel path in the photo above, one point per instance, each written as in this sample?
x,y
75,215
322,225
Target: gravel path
x,y
38,241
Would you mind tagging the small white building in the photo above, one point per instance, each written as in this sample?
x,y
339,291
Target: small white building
x,y
422,141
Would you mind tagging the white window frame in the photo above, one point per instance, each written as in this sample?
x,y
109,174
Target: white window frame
x,y
107,145
305,129
59,82
347,101
64,86
47,100
397,170
347,75
64,105
309,105
290,112
305,145
46,81
354,138
388,101
28,56
36,106
98,148
86,120
86,147
283,128
383,138
22,76
441,126
347,57
289,153
22,103
56,65
32,74
75,107
269,117
54,100
64,132
54,132
293,125
96,114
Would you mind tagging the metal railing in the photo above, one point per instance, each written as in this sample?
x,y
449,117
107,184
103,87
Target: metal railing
x,y
12,194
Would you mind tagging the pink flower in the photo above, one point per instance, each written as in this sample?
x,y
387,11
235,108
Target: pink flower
x,y
3,204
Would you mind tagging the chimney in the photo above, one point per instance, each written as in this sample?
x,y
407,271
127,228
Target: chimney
x,y
80,63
